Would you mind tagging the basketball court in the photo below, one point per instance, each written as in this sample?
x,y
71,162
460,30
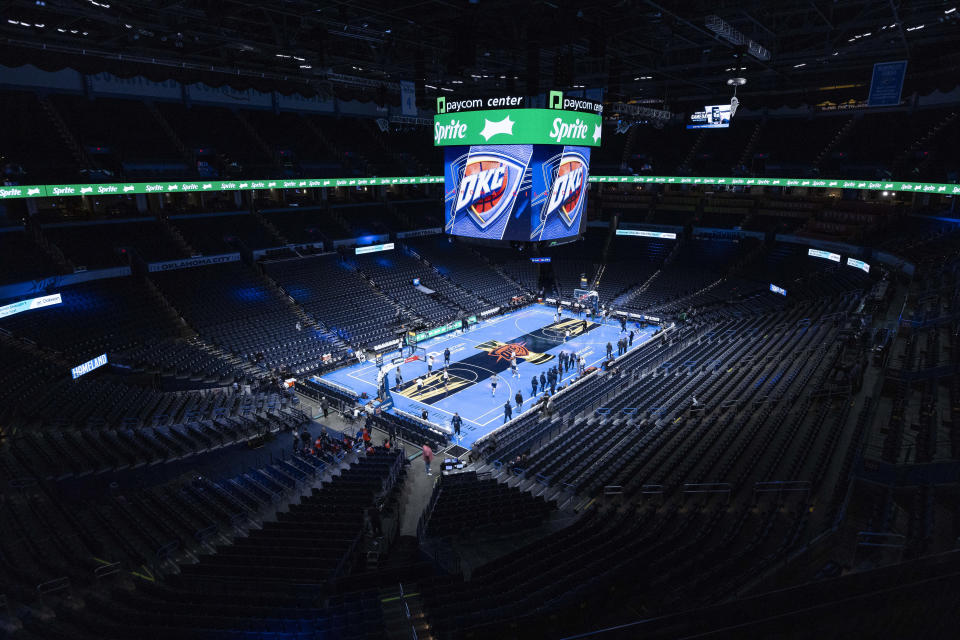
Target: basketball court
x,y
482,354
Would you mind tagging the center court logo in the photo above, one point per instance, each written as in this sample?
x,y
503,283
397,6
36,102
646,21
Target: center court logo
x,y
507,351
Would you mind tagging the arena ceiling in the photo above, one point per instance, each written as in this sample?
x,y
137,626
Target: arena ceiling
x,y
659,51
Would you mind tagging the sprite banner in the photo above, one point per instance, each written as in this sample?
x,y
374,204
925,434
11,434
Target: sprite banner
x,y
29,191
204,186
8,192
517,126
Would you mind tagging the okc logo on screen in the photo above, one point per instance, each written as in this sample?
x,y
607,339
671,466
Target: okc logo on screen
x,y
485,188
566,194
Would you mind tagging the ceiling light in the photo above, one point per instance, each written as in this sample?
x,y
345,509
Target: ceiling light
x,y
802,64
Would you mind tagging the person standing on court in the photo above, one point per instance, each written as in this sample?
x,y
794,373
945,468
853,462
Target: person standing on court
x,y
399,377
631,338
493,384
427,457
457,422
543,381
446,356
533,385
430,364
446,379
609,350
566,335
519,399
507,412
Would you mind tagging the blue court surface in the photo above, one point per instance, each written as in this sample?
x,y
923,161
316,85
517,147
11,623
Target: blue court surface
x,y
481,354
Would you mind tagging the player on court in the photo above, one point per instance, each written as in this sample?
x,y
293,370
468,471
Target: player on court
x,y
493,384
514,371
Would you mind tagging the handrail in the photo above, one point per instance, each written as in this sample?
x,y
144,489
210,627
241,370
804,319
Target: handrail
x,y
52,586
105,570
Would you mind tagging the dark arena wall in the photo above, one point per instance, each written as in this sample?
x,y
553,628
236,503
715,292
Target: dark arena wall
x,y
657,337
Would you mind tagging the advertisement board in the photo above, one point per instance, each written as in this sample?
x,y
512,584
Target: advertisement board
x,y
29,305
858,264
826,255
517,126
647,234
8,192
713,116
374,248
88,366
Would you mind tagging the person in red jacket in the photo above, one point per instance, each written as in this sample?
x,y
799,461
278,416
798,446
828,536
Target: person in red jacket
x,y
427,457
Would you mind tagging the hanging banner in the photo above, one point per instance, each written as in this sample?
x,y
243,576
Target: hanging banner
x,y
408,98
886,85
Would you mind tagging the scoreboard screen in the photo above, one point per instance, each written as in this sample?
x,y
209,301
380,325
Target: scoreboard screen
x,y
520,192
518,174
